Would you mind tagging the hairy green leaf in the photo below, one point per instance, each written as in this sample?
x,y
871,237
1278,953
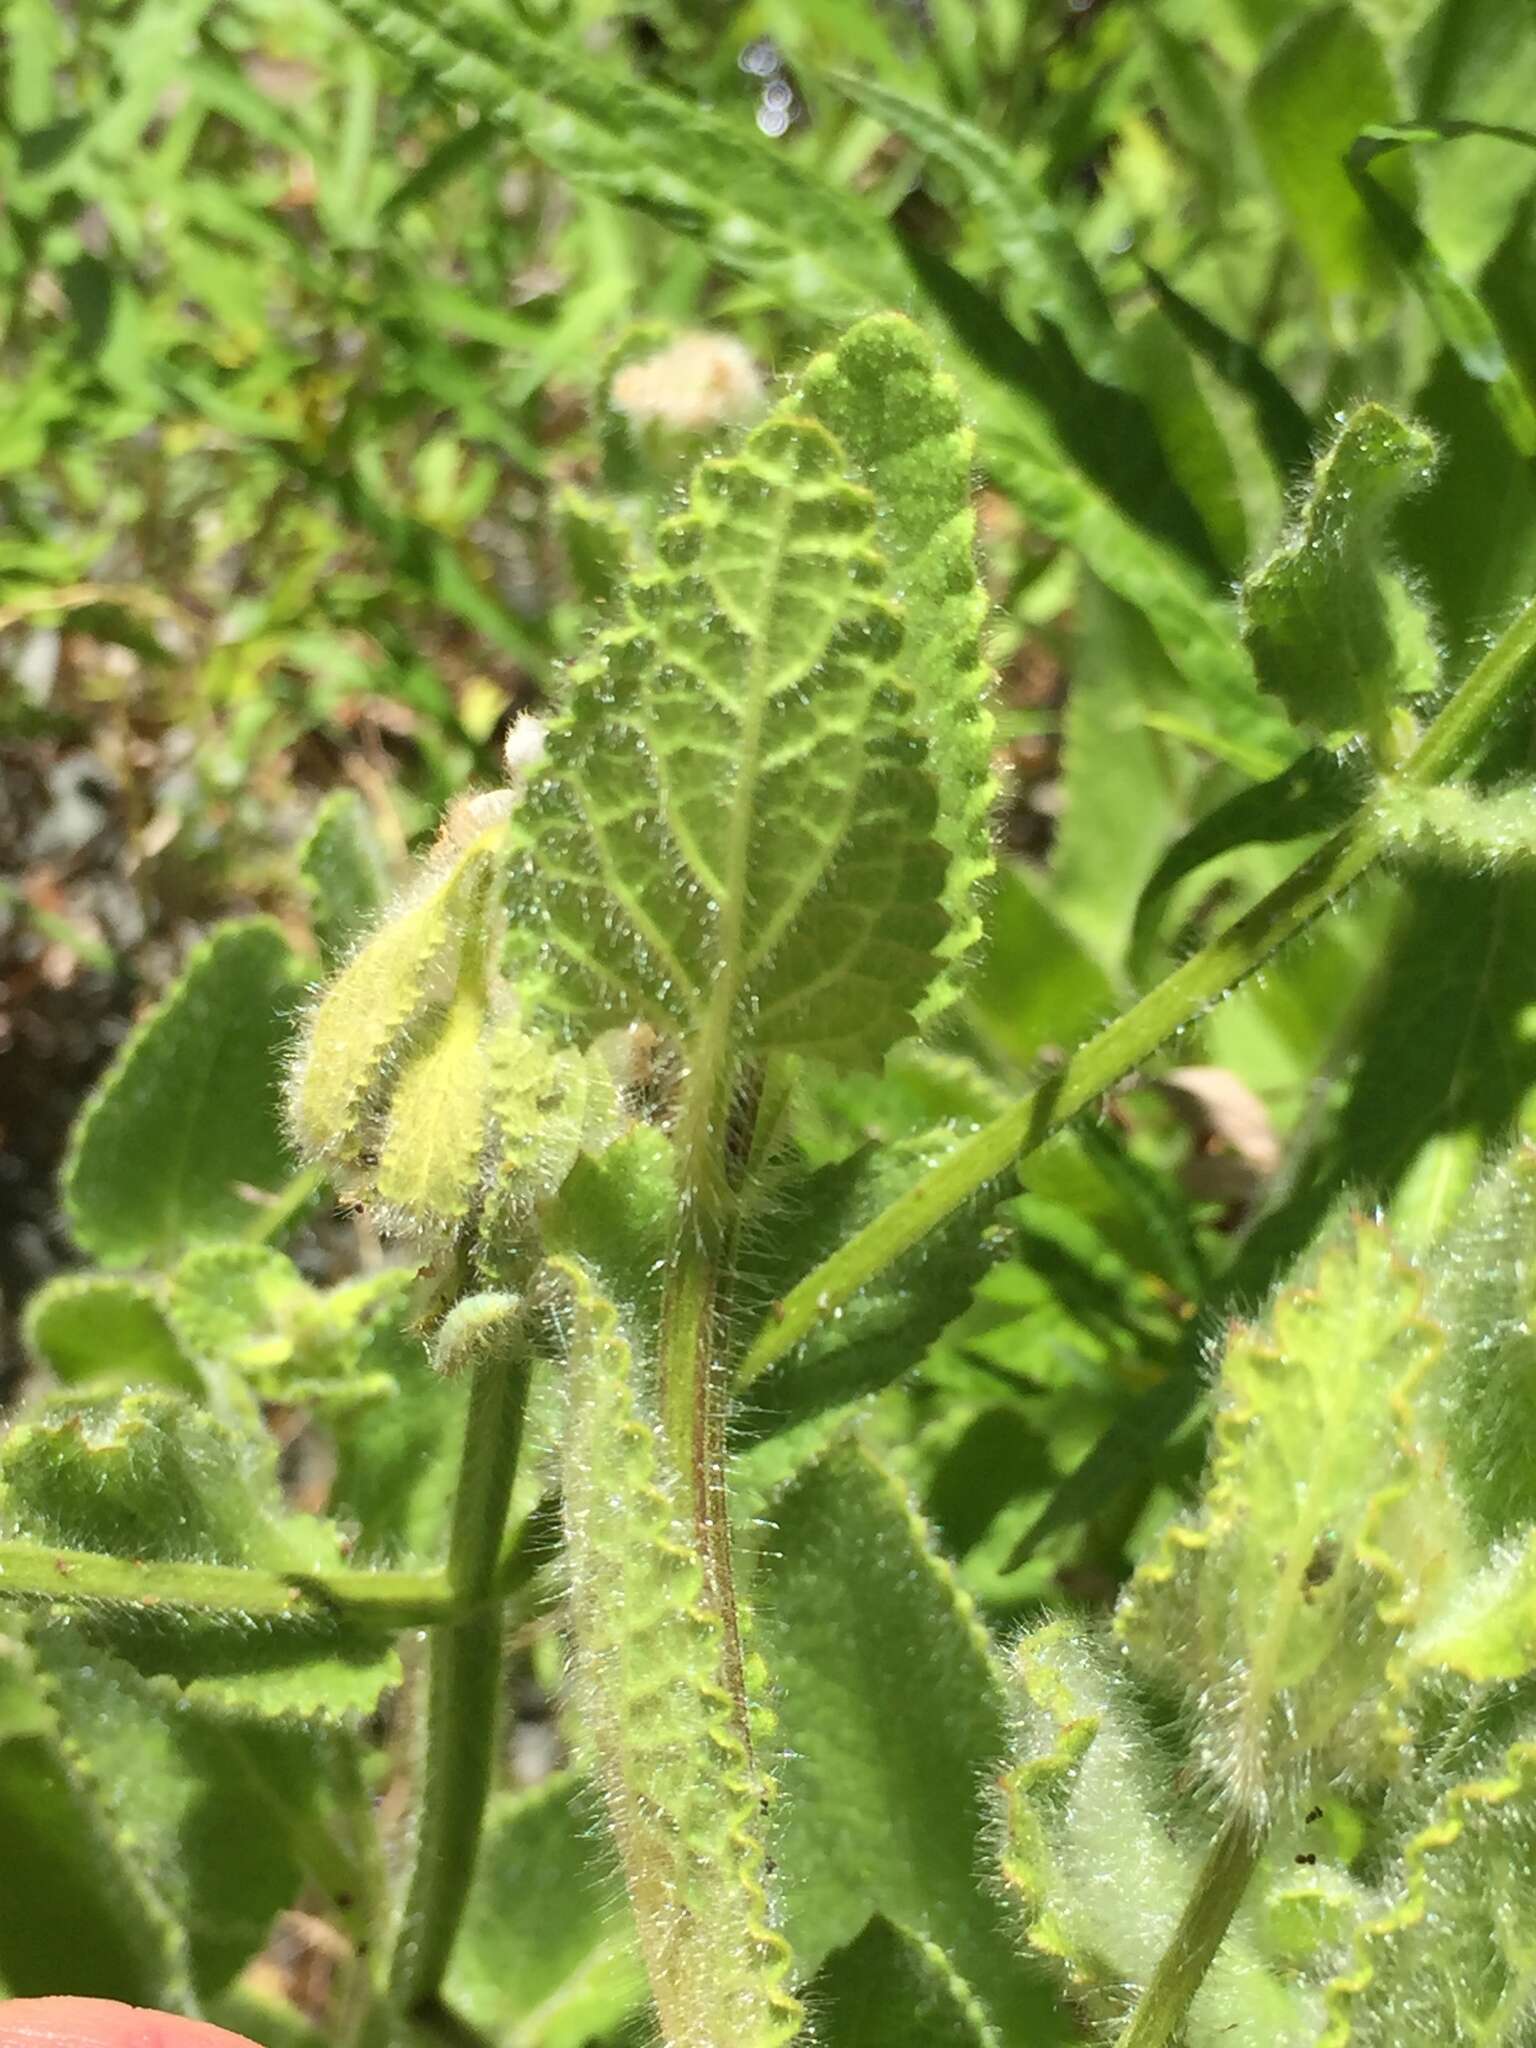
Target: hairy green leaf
x,y
247,1310
899,418
597,544
186,1124
891,1717
107,1331
1281,1606
1331,633
67,1866
148,1477
729,836
1453,1956
678,1780
1102,1854
545,1958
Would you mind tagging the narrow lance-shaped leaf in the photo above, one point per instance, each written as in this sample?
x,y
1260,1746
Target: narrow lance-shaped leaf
x,y
1464,321
682,1793
899,418
729,836
1332,634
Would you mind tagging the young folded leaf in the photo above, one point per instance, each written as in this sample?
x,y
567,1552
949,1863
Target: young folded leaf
x,y
730,836
1280,1608
1102,1858
1334,634
384,1021
683,1794
898,416
1453,1958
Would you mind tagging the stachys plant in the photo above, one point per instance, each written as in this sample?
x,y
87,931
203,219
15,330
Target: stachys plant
x,y
576,1067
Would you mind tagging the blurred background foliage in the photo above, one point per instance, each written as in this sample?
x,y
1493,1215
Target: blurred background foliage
x,y
331,403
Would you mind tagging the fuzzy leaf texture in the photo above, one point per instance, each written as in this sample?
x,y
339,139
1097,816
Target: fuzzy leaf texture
x,y
682,1794
892,1718
151,1823
1101,1853
900,421
1280,1606
149,1477
546,1957
730,835
1332,633
889,1989
388,1088
1451,1962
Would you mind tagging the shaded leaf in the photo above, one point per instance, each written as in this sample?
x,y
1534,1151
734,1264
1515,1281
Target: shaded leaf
x,y
891,1719
1331,632
186,1123
343,868
888,1989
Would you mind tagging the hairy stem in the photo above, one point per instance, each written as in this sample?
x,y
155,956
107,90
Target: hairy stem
x,y
712,1136
1201,1930
1450,743
380,1600
464,1680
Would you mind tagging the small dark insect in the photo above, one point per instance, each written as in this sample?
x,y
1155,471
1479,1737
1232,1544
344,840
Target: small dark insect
x,y
1306,1856
1315,1814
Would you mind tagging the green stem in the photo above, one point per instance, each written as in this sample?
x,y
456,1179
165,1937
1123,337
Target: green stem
x,y
1450,743
692,1388
464,1680
377,1600
1201,1930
